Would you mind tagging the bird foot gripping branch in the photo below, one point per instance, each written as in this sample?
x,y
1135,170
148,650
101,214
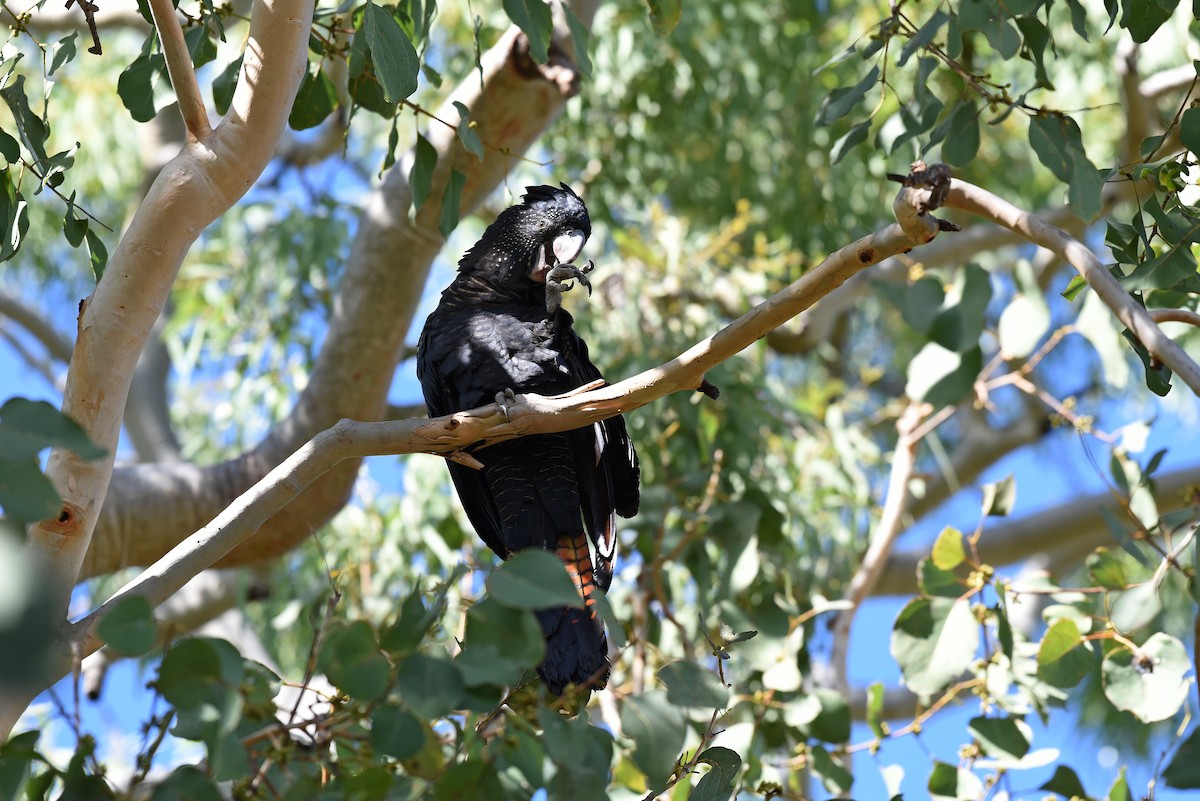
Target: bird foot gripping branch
x,y
925,189
504,398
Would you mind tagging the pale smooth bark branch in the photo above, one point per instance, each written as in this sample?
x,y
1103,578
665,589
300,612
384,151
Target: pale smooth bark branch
x,y
816,324
1167,81
1064,534
148,512
971,198
201,183
179,67
37,325
1138,109
147,411
890,526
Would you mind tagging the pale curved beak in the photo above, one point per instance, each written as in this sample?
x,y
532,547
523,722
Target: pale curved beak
x,y
567,246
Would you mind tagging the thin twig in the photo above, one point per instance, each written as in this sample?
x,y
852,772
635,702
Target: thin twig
x,y
179,67
1175,316
919,720
685,768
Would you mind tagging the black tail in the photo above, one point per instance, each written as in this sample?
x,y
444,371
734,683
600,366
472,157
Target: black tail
x,y
576,647
576,650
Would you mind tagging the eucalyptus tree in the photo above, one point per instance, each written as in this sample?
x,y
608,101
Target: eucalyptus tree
x,y
254,200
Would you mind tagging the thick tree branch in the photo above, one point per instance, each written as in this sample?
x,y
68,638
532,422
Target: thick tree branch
x,y
38,327
1065,534
1175,316
147,412
1168,81
201,183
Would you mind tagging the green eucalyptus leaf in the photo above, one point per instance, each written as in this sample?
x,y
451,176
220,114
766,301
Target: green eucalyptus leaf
x,y
200,45
688,684
186,783
1001,738
657,729
27,427
833,775
664,15
396,732
31,128
962,135
948,552
430,686
473,780
942,377
420,178
583,753
224,84
534,19
351,659
466,134
579,40
718,783
1064,658
1183,771
26,495
1066,783
315,100
1135,607
1142,18
999,497
1105,570
129,627
1189,129
848,141
1150,682
875,696
392,53
136,85
840,102
934,641
533,579
452,202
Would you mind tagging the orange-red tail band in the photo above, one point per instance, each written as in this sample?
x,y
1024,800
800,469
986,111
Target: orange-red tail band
x,y
573,550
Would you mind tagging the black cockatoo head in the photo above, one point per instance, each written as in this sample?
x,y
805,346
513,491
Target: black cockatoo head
x,y
548,227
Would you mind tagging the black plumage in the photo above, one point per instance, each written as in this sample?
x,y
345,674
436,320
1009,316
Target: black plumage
x,y
499,326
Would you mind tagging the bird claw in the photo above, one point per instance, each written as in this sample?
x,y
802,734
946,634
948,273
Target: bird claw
x,y
556,280
503,399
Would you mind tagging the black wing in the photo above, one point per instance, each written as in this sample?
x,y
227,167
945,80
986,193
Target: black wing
x,y
438,345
